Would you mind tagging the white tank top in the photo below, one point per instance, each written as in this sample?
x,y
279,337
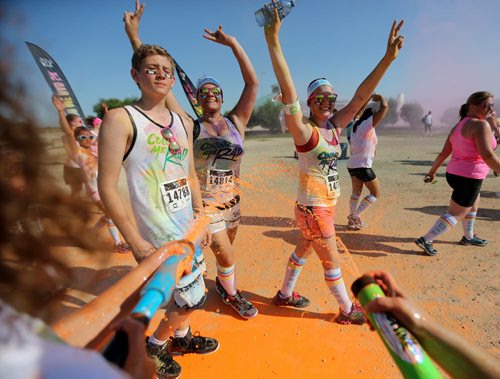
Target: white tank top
x,y
158,184
318,175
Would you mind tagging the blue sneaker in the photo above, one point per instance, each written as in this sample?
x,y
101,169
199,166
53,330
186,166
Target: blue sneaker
x,y
426,246
474,241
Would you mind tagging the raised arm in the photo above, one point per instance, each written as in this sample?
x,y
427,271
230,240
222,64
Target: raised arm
x,y
300,132
382,111
394,44
455,355
244,107
445,153
114,140
63,123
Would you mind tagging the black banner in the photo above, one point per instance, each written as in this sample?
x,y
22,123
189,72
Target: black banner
x,y
56,80
189,90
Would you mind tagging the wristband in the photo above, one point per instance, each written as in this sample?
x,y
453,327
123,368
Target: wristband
x,y
292,108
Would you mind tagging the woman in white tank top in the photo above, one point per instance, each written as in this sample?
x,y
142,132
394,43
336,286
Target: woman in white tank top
x,y
317,143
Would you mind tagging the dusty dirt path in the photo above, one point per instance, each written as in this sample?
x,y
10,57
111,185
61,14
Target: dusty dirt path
x,y
459,286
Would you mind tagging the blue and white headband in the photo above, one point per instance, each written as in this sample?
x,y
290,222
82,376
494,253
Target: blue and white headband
x,y
317,83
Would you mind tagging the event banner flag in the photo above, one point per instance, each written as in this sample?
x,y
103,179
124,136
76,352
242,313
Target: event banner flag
x,y
189,90
56,80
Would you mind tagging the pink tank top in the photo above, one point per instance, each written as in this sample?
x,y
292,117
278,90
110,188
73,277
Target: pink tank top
x,y
465,158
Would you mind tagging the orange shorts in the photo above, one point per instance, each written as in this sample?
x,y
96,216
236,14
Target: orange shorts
x,y
315,222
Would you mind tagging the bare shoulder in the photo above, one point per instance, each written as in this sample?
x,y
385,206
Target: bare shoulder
x,y
118,121
188,123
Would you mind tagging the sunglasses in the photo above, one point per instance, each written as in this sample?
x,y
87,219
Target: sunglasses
x,y
167,133
216,91
83,138
153,71
318,99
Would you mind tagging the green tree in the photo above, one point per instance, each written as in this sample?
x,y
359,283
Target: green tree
x,y
112,103
267,116
412,113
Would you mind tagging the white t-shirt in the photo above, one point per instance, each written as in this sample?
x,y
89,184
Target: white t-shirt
x,y
363,144
26,355
428,119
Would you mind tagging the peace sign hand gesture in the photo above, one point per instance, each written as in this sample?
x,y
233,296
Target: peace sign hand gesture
x,y
219,36
133,20
395,41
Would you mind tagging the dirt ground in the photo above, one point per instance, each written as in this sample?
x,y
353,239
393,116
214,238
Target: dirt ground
x,y
459,286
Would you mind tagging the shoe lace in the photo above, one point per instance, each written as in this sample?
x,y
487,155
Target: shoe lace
x,y
242,303
198,341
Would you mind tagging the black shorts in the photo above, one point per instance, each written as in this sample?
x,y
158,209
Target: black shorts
x,y
364,174
72,175
465,190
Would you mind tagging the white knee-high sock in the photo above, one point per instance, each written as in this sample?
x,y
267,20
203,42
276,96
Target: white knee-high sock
x,y
353,203
468,225
227,278
365,203
293,269
335,283
442,225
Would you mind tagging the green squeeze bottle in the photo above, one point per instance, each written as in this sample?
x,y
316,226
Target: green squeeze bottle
x,y
408,354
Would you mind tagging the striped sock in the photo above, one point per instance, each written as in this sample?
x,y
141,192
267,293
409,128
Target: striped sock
x,y
335,283
353,203
227,278
113,230
468,225
365,203
292,273
442,225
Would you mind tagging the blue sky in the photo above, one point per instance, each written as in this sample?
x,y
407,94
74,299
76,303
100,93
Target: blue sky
x,y
451,46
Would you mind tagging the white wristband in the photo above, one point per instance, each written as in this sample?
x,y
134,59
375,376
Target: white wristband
x,y
292,108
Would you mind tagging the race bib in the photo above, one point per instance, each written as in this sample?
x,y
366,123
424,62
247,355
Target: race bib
x,y
176,194
332,184
220,180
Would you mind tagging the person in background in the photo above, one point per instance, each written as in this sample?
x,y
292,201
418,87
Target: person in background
x,y
471,145
72,173
427,119
363,143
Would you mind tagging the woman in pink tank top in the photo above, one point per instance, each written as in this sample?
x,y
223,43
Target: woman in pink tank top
x,y
471,144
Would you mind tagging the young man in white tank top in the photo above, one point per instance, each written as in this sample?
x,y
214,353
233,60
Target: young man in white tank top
x,y
156,151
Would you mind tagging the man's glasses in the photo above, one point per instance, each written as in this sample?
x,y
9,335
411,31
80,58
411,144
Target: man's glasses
x,y
216,91
330,97
154,71
83,138
174,147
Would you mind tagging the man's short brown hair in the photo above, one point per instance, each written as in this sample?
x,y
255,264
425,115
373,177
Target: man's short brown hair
x,y
147,50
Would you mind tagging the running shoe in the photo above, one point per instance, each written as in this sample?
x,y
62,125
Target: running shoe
x,y
355,316
353,225
295,300
474,241
426,246
192,344
241,305
166,366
